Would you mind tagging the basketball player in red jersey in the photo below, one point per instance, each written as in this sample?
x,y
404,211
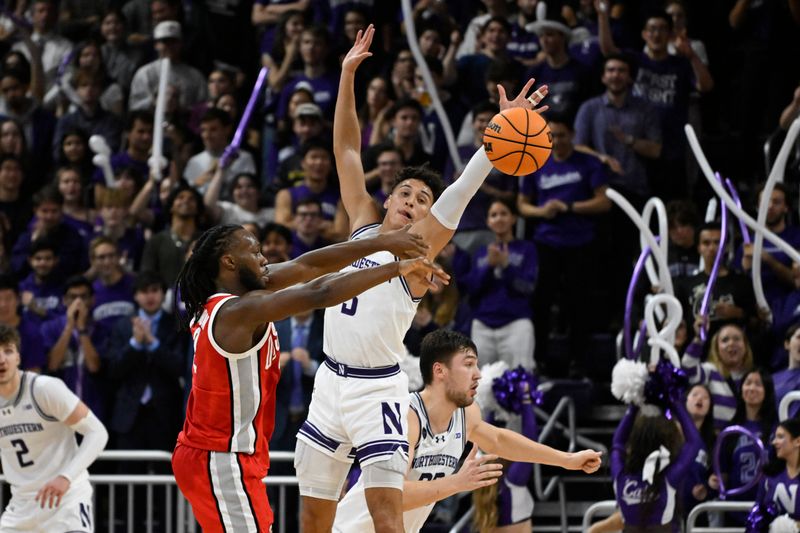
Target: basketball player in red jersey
x,y
231,300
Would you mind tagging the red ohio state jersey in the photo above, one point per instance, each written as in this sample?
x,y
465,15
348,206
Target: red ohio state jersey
x,y
232,402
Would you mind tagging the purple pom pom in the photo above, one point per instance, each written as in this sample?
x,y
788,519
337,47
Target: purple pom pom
x,y
760,517
666,385
509,389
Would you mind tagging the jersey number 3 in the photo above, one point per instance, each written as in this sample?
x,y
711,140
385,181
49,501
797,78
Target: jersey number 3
x,y
22,450
349,308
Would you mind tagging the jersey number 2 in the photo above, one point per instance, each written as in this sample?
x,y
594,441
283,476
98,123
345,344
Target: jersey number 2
x,y
349,308
22,449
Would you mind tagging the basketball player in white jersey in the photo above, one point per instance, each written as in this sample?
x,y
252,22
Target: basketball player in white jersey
x,y
360,399
39,416
442,418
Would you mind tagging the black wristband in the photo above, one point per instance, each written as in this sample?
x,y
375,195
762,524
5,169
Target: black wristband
x,y
84,331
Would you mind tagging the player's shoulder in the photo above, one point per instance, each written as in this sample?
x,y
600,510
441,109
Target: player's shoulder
x,y
365,230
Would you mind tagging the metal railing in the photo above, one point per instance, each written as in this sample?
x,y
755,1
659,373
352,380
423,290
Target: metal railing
x,y
178,515
716,507
605,507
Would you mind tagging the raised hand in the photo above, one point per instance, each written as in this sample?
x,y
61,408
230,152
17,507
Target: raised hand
x,y
404,244
522,100
477,472
360,50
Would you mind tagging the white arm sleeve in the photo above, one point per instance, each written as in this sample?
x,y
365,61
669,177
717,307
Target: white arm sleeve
x,y
453,201
94,441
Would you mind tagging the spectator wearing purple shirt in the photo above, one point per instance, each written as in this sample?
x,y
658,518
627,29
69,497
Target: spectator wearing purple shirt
x,y
31,349
494,36
523,45
139,135
49,223
75,346
317,184
666,81
500,283
650,504
756,412
113,287
788,380
315,53
307,235
41,291
15,206
568,81
115,223
780,485
564,198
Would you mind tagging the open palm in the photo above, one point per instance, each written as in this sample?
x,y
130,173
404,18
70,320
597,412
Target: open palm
x,y
522,100
360,50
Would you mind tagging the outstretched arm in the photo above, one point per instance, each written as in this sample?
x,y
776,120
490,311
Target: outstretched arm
x,y
515,447
438,228
347,138
331,258
240,318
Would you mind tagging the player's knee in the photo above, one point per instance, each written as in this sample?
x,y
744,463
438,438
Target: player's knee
x,y
386,473
319,476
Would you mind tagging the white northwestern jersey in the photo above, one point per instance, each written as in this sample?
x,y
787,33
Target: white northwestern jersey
x,y
435,456
368,330
35,444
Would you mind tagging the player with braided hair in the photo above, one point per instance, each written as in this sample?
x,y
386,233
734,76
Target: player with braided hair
x,y
231,299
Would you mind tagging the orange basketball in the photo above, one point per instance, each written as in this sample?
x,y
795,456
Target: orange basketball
x,y
517,141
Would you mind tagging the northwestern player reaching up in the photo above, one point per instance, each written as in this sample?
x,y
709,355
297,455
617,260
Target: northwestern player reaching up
x,y
442,418
360,399
231,299
42,461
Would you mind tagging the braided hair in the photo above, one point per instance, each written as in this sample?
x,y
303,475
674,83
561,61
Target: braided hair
x,y
196,280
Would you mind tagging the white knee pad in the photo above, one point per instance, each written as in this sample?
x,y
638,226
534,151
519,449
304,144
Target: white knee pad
x,y
319,475
386,473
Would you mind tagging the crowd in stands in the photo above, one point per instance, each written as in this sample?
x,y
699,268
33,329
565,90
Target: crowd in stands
x,y
87,267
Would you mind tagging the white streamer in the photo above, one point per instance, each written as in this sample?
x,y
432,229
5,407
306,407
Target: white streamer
x,y
655,204
775,175
413,45
157,162
725,197
663,340
658,460
102,158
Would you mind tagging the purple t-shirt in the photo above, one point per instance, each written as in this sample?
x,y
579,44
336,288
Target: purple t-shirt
x,y
667,85
500,296
629,486
85,229
568,85
522,44
87,386
113,302
325,88
32,351
46,295
782,490
328,199
572,180
119,161
299,247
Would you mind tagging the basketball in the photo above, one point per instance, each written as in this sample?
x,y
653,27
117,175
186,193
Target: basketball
x,y
517,141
